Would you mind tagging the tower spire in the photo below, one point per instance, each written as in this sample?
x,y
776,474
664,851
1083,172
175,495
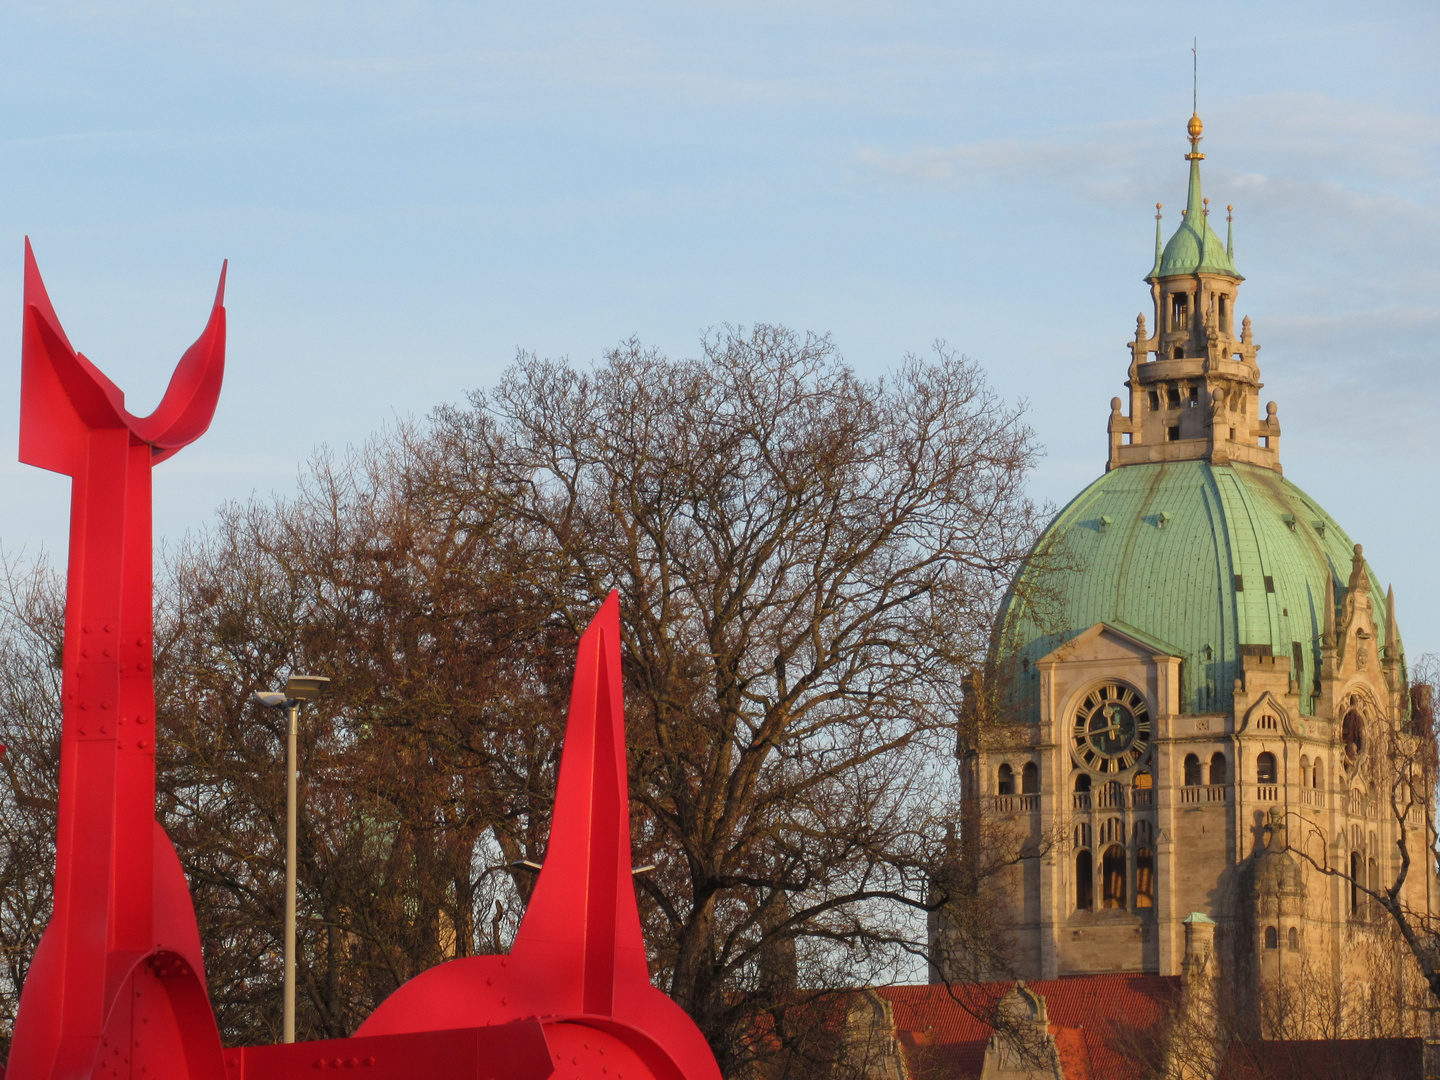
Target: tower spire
x,y
1159,247
1196,127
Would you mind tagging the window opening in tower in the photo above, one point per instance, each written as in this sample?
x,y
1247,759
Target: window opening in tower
x,y
1084,881
1144,878
1192,771
1217,769
1030,779
1112,874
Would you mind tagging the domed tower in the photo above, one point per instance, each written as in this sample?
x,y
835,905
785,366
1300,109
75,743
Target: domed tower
x,y
1195,646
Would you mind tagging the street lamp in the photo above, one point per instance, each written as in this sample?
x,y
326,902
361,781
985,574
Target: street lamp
x,y
298,688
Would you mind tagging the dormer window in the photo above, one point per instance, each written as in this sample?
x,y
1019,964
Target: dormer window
x,y
1224,307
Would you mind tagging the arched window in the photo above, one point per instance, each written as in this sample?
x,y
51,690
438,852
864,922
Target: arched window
x,y
1112,876
1030,779
1265,768
1217,768
1357,874
1143,833
1317,778
1374,882
1082,782
1082,835
1112,794
1084,881
1353,734
1294,937
1272,938
1144,877
1113,831
1304,770
1143,781
1005,781
1192,771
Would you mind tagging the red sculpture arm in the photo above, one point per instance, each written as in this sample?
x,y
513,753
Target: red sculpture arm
x,y
578,959
122,936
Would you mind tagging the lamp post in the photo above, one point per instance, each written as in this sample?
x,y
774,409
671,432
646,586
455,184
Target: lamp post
x,y
298,688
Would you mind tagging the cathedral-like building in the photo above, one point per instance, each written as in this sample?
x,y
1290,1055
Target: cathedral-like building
x,y
1199,691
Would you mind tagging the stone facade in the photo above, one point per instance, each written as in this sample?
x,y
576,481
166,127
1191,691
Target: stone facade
x,y
1153,792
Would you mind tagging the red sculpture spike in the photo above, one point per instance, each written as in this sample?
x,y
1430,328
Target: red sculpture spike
x,y
121,955
578,961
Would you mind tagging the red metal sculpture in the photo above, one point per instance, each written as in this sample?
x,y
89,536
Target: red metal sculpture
x,y
122,948
117,986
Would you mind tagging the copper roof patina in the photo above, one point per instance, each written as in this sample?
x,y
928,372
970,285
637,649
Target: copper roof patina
x,y
1209,558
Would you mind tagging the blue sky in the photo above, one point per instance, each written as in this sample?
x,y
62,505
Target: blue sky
x,y
408,192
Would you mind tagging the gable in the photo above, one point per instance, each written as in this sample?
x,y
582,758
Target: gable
x,y
1108,642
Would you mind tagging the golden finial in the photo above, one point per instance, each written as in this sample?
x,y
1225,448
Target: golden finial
x,y
1196,126
1157,211
1207,207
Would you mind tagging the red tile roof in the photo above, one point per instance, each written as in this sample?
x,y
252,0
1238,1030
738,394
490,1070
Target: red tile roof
x,y
944,1039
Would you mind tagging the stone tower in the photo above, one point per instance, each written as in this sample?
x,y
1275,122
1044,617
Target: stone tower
x,y
1200,691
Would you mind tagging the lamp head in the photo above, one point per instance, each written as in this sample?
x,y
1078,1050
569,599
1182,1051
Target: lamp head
x,y
305,687
270,700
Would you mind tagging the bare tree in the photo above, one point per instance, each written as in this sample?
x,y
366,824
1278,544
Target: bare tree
x,y
32,617
810,562
1404,773
427,768
1317,1029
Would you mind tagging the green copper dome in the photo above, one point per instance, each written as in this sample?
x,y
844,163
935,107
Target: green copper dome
x,y
1200,559
1195,249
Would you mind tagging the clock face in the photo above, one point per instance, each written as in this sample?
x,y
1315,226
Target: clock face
x,y
1112,728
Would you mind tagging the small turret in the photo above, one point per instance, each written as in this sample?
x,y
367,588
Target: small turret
x,y
1194,386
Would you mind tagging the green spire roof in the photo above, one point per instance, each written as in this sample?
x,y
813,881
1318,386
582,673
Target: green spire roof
x,y
1195,248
